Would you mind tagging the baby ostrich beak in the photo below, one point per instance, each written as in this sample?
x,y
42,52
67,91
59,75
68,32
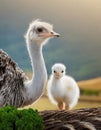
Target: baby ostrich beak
x,y
58,74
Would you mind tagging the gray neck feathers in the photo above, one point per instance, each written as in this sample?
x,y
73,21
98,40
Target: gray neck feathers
x,y
37,84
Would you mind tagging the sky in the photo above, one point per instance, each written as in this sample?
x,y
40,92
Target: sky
x,y
72,18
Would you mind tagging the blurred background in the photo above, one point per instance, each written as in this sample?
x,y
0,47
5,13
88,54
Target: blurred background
x,y
79,47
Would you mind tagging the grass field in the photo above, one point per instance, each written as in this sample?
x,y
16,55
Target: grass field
x,y
44,104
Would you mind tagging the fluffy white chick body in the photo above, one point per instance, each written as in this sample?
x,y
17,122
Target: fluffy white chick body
x,y
62,89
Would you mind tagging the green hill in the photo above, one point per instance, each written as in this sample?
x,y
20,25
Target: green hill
x,y
79,65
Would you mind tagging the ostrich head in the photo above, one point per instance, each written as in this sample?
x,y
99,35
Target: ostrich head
x,y
39,32
58,70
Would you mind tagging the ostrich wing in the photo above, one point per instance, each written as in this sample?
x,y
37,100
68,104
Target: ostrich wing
x,y
81,119
11,82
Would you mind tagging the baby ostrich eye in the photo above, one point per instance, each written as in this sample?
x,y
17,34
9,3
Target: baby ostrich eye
x,y
39,30
62,71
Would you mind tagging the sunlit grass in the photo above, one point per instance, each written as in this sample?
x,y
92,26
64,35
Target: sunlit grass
x,y
44,104
92,84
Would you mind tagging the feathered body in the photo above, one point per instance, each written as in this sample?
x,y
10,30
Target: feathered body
x,y
80,119
15,89
11,82
62,88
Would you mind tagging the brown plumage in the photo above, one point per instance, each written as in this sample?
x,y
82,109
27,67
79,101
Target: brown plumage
x,y
11,81
81,119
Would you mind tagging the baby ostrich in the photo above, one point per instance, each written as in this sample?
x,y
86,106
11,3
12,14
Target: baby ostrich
x,y
62,89
14,88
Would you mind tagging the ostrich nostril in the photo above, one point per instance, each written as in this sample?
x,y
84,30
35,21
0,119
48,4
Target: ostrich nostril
x,y
55,34
52,33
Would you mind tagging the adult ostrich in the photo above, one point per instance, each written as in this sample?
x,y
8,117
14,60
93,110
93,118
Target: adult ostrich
x,y
15,89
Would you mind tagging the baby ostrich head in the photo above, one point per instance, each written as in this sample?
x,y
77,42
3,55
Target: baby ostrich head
x,y
58,70
39,32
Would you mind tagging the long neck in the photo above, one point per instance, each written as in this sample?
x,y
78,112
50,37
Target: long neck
x,y
39,77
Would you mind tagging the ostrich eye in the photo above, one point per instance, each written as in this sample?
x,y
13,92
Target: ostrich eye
x,y
54,71
39,30
62,71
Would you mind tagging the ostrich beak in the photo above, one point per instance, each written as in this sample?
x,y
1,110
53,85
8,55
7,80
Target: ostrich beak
x,y
55,34
58,74
51,34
